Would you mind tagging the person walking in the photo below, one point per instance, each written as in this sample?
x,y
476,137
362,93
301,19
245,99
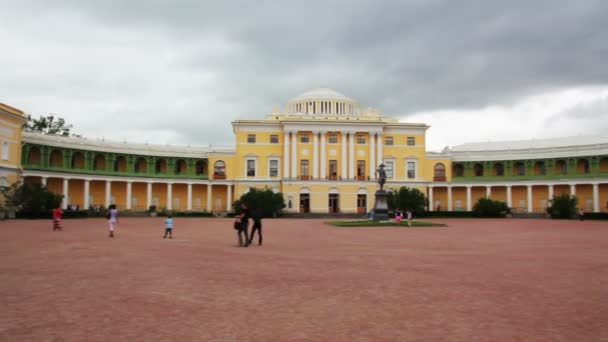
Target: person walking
x,y
112,219
409,217
257,226
168,227
57,219
244,227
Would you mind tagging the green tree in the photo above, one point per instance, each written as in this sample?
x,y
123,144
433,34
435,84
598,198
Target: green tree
x,y
407,198
269,202
486,207
31,200
49,124
563,206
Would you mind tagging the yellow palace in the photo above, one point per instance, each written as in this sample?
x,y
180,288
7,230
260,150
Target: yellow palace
x,y
321,151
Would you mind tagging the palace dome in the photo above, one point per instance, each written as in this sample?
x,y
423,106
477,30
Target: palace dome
x,y
323,101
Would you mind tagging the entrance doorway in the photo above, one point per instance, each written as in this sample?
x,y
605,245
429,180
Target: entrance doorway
x,y
361,204
334,203
304,203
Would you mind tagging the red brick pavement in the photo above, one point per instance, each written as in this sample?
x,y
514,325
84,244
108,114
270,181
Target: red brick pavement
x,y
476,280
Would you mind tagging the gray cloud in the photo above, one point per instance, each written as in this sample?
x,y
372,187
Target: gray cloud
x,y
180,71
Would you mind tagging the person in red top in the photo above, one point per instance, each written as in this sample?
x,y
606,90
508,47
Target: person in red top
x,y
57,216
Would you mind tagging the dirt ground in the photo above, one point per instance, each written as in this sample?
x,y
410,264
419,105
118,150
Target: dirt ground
x,y
475,280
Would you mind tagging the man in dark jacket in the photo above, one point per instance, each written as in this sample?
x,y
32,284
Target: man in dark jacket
x,y
257,226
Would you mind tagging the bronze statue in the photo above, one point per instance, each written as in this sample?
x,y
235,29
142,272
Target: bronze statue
x,y
381,175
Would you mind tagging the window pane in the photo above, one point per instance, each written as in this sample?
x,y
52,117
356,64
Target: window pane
x,y
304,138
304,168
388,168
360,139
411,141
274,168
250,168
251,138
360,168
333,138
411,170
388,141
333,168
274,139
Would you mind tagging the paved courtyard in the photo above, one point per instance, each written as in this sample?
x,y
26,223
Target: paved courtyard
x,y
484,280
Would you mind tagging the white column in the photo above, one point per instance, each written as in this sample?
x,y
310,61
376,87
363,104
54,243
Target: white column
x,y
450,207
550,191
129,184
380,155
572,190
431,201
286,159
108,193
189,197
169,196
529,200
372,154
343,164
469,201
43,181
351,155
87,194
209,191
148,195
229,197
66,190
323,155
294,155
315,155
596,198
509,197
488,191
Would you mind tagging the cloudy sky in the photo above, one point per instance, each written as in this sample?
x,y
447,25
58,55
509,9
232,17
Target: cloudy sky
x,y
179,71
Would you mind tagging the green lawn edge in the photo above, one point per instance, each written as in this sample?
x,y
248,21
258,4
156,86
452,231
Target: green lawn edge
x,y
383,224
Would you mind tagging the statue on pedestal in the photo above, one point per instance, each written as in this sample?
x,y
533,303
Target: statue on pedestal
x,y
381,175
380,203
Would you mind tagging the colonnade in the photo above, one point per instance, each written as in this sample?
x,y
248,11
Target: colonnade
x,y
319,154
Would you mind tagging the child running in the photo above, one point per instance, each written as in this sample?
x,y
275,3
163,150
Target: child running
x,y
168,227
57,216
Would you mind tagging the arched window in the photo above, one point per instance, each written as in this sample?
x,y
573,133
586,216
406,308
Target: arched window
x,y
56,158
99,162
499,169
77,160
219,169
180,167
161,166
439,172
34,156
561,167
540,169
201,167
604,165
120,164
140,165
478,170
582,166
520,168
458,170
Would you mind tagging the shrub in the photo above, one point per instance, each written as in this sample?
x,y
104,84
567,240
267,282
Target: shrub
x,y
407,198
268,202
32,200
563,206
486,207
447,214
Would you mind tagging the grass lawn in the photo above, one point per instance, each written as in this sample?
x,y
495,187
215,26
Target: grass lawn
x,y
383,224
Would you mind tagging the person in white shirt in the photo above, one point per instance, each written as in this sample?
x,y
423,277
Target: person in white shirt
x,y
168,227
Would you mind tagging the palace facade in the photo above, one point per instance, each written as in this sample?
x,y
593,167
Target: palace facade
x,y
321,151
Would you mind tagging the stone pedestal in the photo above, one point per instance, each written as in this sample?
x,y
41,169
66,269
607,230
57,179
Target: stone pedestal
x,y
381,206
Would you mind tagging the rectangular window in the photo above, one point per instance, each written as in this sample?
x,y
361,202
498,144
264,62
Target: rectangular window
x,y
5,150
360,168
274,168
333,168
388,168
274,139
411,141
251,138
250,168
333,138
360,139
388,141
304,139
303,167
411,170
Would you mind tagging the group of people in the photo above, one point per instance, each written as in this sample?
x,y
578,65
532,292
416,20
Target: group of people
x,y
241,225
399,217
